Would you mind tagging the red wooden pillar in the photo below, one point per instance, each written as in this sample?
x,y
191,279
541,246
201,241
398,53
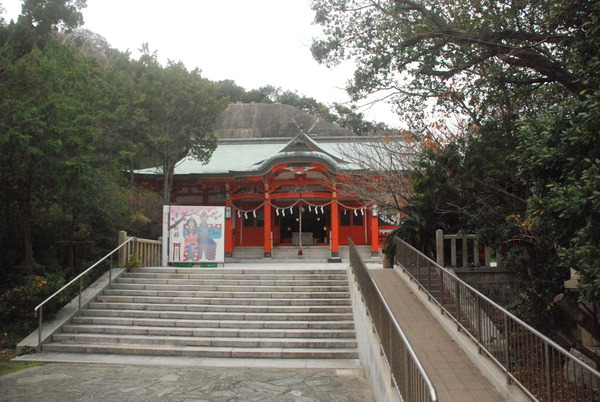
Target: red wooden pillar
x,y
268,252
335,228
374,231
229,238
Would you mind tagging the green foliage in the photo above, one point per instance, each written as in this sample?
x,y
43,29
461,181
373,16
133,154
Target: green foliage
x,y
134,261
51,15
447,48
47,135
175,110
523,173
18,304
560,156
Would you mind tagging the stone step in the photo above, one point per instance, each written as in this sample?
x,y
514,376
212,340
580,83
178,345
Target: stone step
x,y
275,273
259,289
224,300
218,342
251,277
216,316
226,313
195,351
232,282
311,253
272,324
224,294
248,253
319,333
221,308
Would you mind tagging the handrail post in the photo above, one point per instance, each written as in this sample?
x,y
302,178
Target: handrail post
x,y
418,271
442,291
406,372
507,349
548,368
391,349
428,282
478,323
39,346
457,298
80,291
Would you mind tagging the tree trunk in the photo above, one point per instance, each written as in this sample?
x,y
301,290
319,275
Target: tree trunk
x,y
168,171
569,305
27,232
131,172
71,243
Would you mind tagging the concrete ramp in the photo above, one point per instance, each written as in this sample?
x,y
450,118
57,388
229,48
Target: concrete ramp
x,y
455,376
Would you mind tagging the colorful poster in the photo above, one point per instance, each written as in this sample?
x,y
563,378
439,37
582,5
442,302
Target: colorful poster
x,y
196,234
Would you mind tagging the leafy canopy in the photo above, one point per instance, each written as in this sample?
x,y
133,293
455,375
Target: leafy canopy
x,y
523,171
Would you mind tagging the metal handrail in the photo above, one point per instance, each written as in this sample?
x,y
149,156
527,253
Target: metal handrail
x,y
78,277
408,375
518,349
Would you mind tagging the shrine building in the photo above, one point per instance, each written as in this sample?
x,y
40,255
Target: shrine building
x,y
277,171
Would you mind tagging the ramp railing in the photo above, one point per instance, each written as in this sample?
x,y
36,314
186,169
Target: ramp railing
x,y
540,367
407,373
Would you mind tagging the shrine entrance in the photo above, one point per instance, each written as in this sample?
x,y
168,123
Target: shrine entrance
x,y
310,224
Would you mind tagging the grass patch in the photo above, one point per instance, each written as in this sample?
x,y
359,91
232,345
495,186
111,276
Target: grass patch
x,y
7,367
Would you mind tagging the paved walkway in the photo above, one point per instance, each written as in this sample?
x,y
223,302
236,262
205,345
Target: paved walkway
x,y
131,382
454,375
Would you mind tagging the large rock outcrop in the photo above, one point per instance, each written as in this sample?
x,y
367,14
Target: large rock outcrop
x,y
264,120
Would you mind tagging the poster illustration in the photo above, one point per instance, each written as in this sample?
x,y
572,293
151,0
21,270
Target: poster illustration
x,y
196,234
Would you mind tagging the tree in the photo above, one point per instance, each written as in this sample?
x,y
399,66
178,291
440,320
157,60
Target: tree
x,y
50,113
429,41
560,156
48,16
503,61
525,75
39,20
385,159
174,113
96,46
46,131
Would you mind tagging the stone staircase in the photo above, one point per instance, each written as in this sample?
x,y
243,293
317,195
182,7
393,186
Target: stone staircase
x,y
290,253
219,313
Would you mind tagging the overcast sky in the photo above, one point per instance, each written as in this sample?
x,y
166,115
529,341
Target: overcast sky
x,y
253,42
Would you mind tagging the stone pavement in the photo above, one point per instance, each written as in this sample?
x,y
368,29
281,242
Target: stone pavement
x,y
130,382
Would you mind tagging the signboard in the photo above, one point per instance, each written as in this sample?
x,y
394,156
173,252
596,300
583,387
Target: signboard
x,y
196,234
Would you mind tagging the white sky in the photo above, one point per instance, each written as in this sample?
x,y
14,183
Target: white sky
x,y
252,42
